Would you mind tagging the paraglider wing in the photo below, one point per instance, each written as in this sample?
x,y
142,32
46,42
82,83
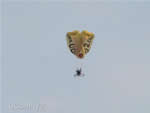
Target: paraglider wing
x,y
79,43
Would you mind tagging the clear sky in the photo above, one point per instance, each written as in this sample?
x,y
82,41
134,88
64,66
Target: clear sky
x,y
38,67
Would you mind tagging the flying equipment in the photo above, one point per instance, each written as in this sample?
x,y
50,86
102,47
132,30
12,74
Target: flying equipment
x,y
79,44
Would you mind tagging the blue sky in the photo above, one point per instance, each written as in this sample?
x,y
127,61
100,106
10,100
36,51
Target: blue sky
x,y
38,67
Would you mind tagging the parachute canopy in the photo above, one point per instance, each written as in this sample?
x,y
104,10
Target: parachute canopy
x,y
79,43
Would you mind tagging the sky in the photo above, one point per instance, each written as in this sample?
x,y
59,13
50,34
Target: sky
x,y
38,68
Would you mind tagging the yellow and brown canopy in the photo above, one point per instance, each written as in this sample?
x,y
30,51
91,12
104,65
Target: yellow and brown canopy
x,y
80,43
